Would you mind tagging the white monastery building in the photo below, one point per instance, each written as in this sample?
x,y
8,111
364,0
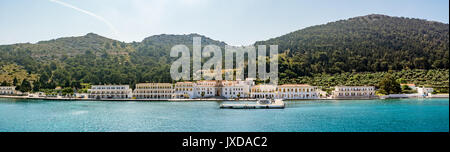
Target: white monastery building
x,y
110,92
423,91
207,88
235,89
298,91
153,91
263,91
222,89
184,90
7,90
354,92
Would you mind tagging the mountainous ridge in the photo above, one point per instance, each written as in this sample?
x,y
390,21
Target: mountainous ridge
x,y
370,43
185,39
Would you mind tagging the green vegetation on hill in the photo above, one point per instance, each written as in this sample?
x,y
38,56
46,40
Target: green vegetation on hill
x,y
93,59
13,71
372,43
429,78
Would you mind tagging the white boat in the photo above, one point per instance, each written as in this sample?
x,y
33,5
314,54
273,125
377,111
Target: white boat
x,y
265,101
260,104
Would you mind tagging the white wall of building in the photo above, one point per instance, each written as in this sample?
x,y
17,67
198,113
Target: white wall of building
x,y
206,88
354,92
184,90
7,90
235,89
110,92
297,91
153,91
263,91
422,91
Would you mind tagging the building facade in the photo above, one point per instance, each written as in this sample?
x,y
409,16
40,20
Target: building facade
x,y
297,91
207,88
423,91
354,92
110,92
7,90
184,90
153,91
235,89
263,91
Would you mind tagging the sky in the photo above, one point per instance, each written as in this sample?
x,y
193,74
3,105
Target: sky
x,y
236,22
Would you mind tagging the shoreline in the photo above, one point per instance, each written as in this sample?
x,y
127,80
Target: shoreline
x,y
188,100
88,99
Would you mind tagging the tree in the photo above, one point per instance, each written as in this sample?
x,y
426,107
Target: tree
x,y
405,87
389,85
4,83
25,86
36,86
76,84
44,78
401,80
15,81
67,91
67,83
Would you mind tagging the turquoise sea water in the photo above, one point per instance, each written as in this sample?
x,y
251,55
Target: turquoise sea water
x,y
402,115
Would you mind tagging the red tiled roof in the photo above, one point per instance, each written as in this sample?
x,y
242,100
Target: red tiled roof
x,y
408,84
295,85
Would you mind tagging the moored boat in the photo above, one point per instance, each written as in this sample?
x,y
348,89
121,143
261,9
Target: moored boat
x,y
260,104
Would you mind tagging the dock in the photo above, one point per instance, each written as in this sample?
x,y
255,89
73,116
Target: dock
x,y
277,104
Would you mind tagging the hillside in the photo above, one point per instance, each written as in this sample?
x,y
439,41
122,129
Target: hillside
x,y
68,46
94,59
367,44
171,40
372,43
